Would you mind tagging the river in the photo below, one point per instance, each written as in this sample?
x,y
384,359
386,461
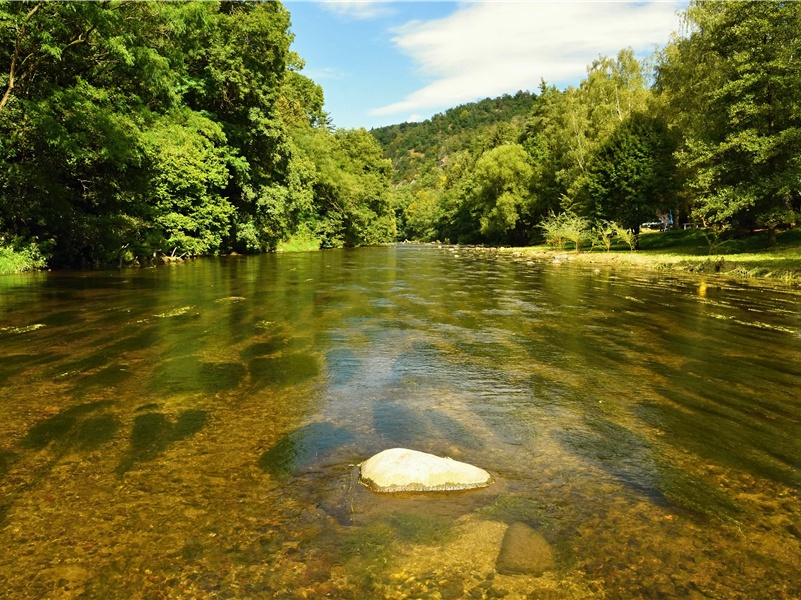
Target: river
x,y
194,430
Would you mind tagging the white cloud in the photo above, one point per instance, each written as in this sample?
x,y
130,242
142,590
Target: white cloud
x,y
357,9
490,48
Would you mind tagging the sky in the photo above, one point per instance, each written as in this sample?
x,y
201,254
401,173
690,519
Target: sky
x,y
384,62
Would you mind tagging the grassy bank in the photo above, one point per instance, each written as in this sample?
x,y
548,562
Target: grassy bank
x,y
751,257
20,259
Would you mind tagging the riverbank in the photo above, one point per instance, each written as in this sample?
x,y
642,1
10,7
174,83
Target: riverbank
x,y
747,259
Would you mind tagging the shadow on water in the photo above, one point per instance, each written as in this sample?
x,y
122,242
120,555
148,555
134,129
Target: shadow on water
x,y
6,460
153,433
142,340
61,318
761,450
16,364
267,348
633,461
343,366
301,447
398,425
282,371
106,378
72,429
188,374
77,366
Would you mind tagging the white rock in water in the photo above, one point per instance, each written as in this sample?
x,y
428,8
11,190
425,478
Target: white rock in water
x,y
402,470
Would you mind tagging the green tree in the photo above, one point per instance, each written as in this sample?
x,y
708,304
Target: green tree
x,y
633,173
189,162
502,178
80,80
733,86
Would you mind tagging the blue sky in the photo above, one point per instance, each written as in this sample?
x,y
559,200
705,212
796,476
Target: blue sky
x,y
383,62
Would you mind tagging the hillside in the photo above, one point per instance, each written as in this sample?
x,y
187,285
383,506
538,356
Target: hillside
x,y
415,147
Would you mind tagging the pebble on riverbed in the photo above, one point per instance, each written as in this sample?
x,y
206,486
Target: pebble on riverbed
x,y
524,551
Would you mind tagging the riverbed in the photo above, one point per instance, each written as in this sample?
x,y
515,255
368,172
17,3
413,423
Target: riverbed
x,y
195,430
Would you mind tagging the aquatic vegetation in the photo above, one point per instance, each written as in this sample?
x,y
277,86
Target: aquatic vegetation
x,y
282,371
302,446
421,528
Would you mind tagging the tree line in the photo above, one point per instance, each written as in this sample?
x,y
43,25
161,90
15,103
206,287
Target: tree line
x,y
707,130
135,130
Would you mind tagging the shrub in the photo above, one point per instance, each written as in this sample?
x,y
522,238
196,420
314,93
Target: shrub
x,y
566,226
17,256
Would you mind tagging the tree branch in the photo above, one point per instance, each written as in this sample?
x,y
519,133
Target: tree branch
x,y
15,57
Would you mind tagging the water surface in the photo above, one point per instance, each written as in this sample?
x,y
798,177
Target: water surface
x,y
193,430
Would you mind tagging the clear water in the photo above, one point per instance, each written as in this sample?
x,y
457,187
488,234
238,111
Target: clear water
x,y
193,431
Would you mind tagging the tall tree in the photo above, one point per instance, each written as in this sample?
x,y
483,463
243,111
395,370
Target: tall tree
x,y
502,178
633,174
734,86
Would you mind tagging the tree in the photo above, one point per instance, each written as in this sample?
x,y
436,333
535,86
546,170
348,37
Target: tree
x,y
80,81
565,129
734,88
189,162
502,178
633,173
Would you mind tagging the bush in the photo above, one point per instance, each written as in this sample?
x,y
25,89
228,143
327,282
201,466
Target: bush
x,y
626,235
18,257
564,227
604,234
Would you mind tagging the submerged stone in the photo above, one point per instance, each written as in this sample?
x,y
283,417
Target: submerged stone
x,y
524,552
403,470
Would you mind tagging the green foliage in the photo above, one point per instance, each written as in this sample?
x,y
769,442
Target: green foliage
x,y
18,257
566,227
133,129
626,235
501,180
189,172
633,173
733,87
604,232
416,148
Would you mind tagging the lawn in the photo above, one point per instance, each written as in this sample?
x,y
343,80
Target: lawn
x,y
745,257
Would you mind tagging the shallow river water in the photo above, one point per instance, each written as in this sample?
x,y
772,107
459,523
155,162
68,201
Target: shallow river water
x,y
194,430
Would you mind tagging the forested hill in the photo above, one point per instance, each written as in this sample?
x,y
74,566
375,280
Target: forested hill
x,y
708,130
138,131
411,146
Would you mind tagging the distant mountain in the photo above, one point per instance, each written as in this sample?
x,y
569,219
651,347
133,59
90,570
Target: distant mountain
x,y
415,147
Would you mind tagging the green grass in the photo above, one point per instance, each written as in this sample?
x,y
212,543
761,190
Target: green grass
x,y
303,241
743,257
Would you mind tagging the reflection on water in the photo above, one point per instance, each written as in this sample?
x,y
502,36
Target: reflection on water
x,y
195,430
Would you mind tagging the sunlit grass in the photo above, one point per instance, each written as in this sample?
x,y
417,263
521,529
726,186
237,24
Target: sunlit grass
x,y
748,257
